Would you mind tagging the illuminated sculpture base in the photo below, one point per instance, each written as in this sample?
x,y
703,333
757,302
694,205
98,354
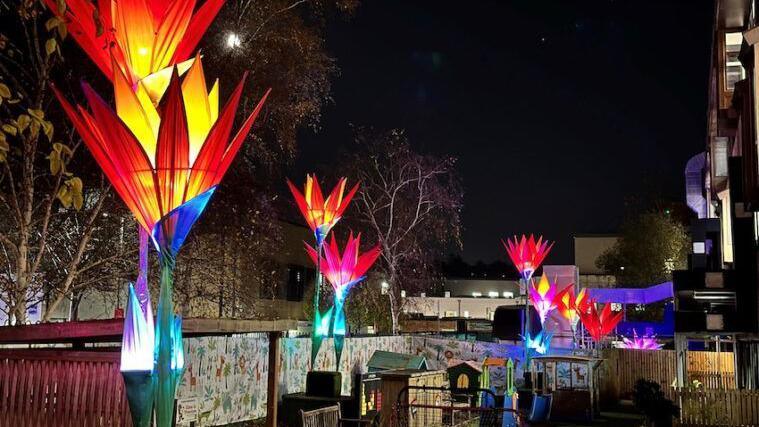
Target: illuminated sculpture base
x,y
139,390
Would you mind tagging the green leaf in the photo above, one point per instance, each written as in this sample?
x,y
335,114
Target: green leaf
x,y
61,4
50,46
5,92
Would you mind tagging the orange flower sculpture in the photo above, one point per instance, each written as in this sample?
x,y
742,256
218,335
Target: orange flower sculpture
x,y
144,37
160,158
321,214
598,325
567,304
527,254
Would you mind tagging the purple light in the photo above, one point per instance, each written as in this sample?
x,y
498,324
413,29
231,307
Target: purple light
x,y
640,343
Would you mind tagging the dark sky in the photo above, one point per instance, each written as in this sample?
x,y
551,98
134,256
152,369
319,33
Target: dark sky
x,y
557,110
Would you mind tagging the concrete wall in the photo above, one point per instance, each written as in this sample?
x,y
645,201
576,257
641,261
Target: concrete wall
x,y
589,248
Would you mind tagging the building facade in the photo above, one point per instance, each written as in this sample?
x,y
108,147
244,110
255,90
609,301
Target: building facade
x,y
717,297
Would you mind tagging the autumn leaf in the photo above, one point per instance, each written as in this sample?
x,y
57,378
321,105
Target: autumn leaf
x,y
23,122
9,129
5,92
50,46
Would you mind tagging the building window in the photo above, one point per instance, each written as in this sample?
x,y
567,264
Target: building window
x,y
298,277
734,71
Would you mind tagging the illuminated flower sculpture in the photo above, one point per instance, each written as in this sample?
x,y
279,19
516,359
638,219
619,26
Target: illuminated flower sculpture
x,y
542,297
640,343
165,163
144,38
527,254
540,344
321,215
343,272
598,325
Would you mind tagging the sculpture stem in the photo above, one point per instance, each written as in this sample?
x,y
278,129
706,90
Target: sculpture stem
x,y
166,377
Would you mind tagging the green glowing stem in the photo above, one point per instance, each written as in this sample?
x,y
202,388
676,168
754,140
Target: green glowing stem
x,y
166,379
316,339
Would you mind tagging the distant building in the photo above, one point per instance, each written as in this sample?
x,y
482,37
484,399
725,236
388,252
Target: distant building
x,y
587,249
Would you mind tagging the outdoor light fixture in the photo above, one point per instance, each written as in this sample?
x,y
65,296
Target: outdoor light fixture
x,y
476,294
233,41
321,215
343,272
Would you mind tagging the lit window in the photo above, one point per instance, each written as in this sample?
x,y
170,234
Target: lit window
x,y
508,294
493,294
476,294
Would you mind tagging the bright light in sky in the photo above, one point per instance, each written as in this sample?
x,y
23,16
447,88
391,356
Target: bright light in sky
x,y
233,40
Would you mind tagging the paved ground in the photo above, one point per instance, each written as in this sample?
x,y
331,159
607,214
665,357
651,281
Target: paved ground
x,y
624,415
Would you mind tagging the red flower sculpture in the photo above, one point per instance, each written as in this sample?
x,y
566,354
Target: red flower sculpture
x,y
143,36
527,254
154,180
321,214
598,325
346,270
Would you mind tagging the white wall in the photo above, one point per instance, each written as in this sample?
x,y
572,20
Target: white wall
x,y
476,308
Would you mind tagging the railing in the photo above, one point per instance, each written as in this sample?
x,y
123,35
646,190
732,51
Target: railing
x,y
61,388
419,406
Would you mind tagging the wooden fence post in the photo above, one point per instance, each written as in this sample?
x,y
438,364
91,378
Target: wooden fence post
x,y
273,379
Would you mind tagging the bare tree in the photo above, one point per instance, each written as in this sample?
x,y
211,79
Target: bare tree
x,y
411,203
48,217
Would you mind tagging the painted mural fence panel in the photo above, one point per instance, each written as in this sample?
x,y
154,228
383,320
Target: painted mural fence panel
x,y
295,358
61,388
225,379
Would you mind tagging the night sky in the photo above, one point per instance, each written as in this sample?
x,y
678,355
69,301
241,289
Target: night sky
x,y
557,110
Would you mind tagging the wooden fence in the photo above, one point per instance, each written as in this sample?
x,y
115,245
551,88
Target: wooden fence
x,y
717,407
625,367
61,388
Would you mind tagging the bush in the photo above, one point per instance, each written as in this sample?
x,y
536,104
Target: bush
x,y
651,401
